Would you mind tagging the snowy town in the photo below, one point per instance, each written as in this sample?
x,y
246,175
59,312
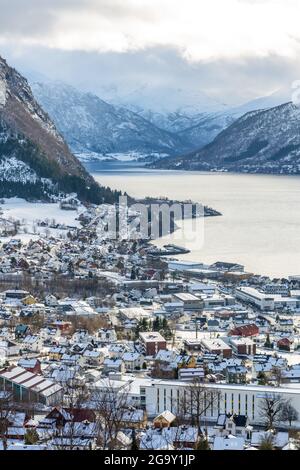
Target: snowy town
x,y
104,345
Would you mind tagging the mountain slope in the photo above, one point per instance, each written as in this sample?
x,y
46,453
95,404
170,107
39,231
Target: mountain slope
x,y
260,141
31,147
89,124
207,126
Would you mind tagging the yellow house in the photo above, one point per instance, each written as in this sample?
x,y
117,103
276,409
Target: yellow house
x,y
188,362
29,300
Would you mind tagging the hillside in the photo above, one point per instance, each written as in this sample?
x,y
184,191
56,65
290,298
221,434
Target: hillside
x,y
89,124
35,161
265,141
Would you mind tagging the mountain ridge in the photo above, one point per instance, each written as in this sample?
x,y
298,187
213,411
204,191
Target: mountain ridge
x,y
90,124
261,141
28,135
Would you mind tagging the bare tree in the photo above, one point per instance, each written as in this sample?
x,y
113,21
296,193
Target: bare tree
x,y
277,376
271,407
196,400
68,433
110,405
7,410
289,413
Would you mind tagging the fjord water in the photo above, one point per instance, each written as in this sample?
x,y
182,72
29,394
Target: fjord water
x,y
260,225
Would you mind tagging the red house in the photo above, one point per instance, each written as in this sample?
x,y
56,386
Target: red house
x,y
284,344
245,330
31,365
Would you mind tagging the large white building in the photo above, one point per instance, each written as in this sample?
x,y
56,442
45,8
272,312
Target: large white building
x,y
266,302
157,395
160,395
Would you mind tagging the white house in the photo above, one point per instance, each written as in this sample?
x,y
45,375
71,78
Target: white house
x,y
132,361
8,349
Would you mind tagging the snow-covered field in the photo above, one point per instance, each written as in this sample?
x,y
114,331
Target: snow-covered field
x,y
30,214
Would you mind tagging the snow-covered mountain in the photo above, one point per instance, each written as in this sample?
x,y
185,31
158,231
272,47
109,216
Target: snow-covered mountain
x,y
193,116
35,161
90,124
206,126
260,141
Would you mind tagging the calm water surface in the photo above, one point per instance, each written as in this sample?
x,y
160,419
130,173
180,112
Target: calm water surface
x,y
260,226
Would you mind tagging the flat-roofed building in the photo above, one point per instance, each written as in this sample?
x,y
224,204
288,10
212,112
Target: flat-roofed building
x,y
190,301
158,395
152,342
243,346
216,346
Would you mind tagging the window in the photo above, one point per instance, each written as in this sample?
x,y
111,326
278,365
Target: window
x,y
253,407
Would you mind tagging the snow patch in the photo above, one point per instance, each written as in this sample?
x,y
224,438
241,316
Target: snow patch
x,y
14,170
2,92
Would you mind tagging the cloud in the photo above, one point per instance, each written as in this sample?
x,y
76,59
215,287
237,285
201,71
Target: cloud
x,y
200,30
157,71
231,50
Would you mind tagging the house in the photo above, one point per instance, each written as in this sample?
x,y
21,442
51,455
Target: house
x,y
284,344
291,375
59,416
106,335
8,349
113,365
15,294
73,442
134,418
164,419
183,437
21,331
233,424
29,300
93,357
56,353
245,330
132,361
51,301
31,364
32,343
236,374
154,440
228,443
190,374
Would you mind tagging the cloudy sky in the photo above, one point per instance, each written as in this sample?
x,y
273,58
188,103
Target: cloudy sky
x,y
229,50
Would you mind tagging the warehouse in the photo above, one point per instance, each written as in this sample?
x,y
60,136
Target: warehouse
x,y
27,386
